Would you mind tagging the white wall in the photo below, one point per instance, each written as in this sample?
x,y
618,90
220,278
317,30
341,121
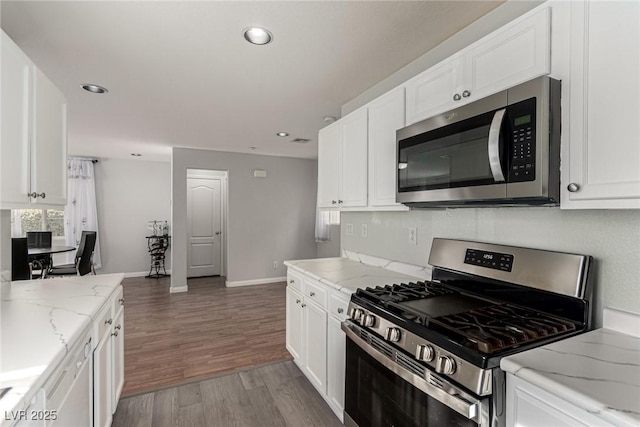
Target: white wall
x,y
612,237
332,247
5,245
270,219
129,193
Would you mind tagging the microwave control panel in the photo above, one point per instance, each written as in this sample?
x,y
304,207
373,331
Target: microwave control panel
x,y
522,140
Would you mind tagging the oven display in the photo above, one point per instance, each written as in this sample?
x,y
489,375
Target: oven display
x,y
494,260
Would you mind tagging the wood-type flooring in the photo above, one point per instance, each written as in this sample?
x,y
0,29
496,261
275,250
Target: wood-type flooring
x,y
270,396
173,339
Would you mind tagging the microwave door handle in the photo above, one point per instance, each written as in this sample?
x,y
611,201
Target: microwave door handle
x,y
494,146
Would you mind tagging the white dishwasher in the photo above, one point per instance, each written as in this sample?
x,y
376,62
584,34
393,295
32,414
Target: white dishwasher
x,y
68,392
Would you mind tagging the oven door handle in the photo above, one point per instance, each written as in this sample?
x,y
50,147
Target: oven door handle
x,y
469,407
494,146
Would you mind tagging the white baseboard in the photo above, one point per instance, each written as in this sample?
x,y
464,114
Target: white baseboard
x,y
236,283
175,290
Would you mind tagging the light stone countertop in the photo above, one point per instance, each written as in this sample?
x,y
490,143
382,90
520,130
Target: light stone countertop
x,y
40,321
598,371
358,271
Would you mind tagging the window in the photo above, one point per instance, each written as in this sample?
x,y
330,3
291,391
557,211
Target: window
x,y
38,220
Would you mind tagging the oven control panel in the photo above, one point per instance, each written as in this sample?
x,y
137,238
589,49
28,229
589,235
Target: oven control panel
x,y
487,259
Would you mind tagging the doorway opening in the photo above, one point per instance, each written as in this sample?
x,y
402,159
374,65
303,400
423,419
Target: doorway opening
x,y
207,212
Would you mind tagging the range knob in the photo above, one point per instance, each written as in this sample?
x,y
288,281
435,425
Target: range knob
x,y
356,314
425,353
368,320
393,334
446,365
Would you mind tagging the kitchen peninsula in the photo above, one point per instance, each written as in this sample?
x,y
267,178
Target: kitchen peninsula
x,y
61,350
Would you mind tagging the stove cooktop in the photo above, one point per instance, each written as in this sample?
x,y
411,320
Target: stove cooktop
x,y
478,324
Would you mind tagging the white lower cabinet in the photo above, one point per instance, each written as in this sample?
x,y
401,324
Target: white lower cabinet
x,y
108,360
314,337
530,406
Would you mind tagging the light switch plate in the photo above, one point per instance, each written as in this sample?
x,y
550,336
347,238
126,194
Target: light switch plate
x,y
365,230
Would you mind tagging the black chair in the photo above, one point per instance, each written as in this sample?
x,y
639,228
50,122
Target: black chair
x,y
20,267
84,258
39,239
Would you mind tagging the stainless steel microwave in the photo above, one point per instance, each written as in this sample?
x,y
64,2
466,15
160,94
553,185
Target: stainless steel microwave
x,y
500,150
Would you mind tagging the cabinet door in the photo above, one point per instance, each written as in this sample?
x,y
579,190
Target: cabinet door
x,y
14,140
315,337
603,151
336,351
353,161
433,91
529,406
102,384
294,324
117,361
329,166
48,142
386,115
518,52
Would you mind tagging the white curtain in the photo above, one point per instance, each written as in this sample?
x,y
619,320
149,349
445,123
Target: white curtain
x,y
322,225
16,223
81,213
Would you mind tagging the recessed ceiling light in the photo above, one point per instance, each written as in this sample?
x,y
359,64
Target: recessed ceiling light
x,y
282,134
136,154
94,88
257,35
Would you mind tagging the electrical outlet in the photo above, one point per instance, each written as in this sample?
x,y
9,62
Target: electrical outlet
x,y
349,229
365,230
275,264
413,236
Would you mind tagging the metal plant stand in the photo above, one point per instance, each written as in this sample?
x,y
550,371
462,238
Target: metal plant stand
x,y
157,247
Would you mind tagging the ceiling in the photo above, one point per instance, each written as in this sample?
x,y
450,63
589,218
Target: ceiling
x,y
181,74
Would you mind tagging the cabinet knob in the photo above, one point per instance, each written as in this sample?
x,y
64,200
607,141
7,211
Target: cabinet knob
x,y
121,301
291,281
573,187
32,195
312,294
339,201
457,97
117,327
340,310
108,322
333,202
304,305
115,334
297,301
466,94
43,195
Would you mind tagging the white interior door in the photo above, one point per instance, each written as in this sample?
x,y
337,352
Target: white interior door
x,y
204,227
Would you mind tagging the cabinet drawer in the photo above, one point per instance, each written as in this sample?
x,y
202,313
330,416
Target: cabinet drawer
x,y
316,292
338,304
294,281
103,323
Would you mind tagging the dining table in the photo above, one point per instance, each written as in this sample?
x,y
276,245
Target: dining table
x,y
40,258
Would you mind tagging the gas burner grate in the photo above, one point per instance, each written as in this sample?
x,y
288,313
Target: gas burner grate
x,y
390,294
501,326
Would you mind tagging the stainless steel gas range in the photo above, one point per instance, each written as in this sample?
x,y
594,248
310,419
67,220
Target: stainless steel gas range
x,y
428,353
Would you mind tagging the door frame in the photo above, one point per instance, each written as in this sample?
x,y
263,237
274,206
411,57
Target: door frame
x,y
223,176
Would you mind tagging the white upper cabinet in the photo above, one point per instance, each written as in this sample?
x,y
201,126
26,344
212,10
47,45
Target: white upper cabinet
x,y
435,90
518,52
329,165
515,53
342,162
353,168
34,134
602,169
386,116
